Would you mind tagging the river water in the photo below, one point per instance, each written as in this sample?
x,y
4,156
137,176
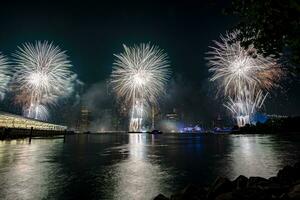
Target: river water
x,y
135,166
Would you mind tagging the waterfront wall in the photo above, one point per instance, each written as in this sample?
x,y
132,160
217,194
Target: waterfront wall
x,y
15,133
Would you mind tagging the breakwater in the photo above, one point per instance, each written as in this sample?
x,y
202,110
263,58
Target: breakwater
x,y
284,186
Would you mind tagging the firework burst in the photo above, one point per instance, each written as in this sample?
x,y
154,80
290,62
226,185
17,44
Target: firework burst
x,y
243,75
139,76
5,75
42,77
236,68
245,106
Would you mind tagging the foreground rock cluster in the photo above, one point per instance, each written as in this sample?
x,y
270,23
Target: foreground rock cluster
x,y
284,186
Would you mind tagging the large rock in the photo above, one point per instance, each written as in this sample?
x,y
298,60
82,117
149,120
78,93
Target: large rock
x,y
273,179
240,182
285,186
220,186
190,192
161,197
297,171
250,194
288,175
193,192
225,196
297,166
295,192
176,196
257,181
275,189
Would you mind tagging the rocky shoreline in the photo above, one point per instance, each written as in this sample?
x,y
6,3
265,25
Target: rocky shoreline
x,y
284,186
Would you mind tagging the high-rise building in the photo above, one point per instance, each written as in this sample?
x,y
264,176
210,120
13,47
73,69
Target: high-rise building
x,y
171,121
218,122
84,122
173,116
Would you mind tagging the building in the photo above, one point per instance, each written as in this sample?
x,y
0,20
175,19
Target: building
x,y
84,122
171,122
8,120
173,116
218,122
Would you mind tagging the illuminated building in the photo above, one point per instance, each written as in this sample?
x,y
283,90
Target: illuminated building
x,y
172,116
8,120
171,121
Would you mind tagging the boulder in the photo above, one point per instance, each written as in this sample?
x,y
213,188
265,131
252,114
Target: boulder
x,y
161,197
193,192
190,192
250,194
220,186
297,182
288,175
257,181
275,189
273,179
295,192
285,186
225,196
297,171
297,166
240,182
176,196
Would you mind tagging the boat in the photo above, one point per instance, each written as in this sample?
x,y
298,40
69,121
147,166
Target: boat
x,y
156,132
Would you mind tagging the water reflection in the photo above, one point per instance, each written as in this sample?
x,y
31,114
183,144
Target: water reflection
x,y
134,166
139,176
256,155
25,173
251,156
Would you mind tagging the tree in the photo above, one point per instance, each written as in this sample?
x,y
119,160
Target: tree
x,y
273,26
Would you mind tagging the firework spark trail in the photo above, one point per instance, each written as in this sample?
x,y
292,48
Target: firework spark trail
x,y
245,107
5,75
139,76
243,74
42,77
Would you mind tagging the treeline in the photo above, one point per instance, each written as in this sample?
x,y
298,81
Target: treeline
x,y
273,126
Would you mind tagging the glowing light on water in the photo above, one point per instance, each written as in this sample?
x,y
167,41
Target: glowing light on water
x,y
42,76
139,76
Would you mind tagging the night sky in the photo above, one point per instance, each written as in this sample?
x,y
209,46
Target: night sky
x,y
92,32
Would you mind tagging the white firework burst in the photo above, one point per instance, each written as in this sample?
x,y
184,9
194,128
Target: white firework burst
x,y
139,76
243,75
42,76
245,106
5,75
235,67
37,112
